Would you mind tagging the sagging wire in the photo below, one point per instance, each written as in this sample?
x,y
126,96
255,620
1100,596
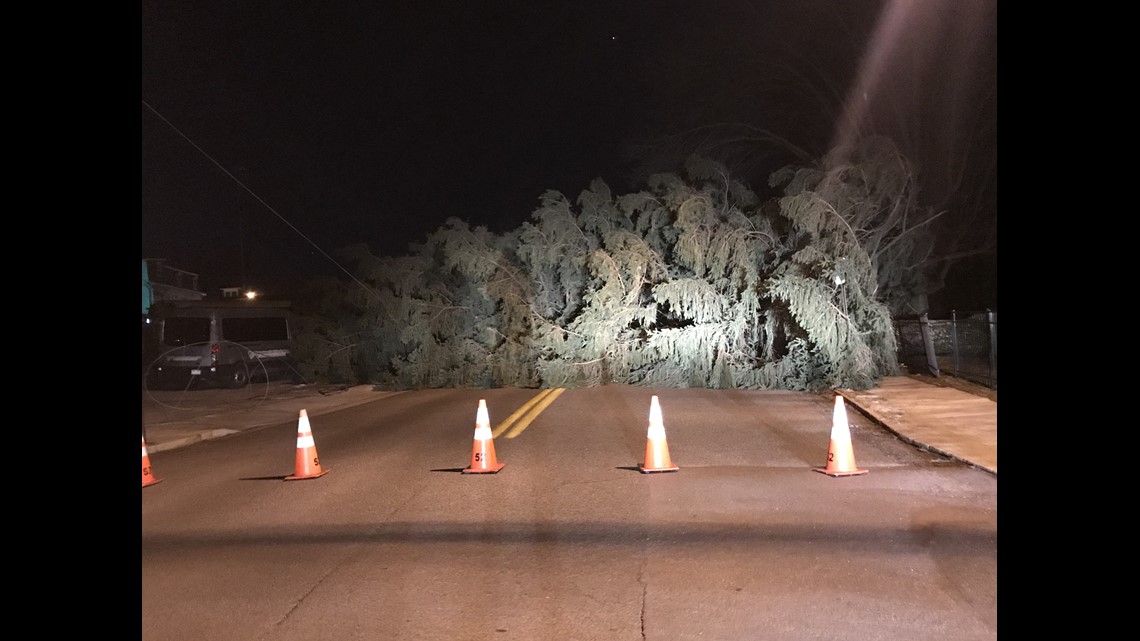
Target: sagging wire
x,y
260,200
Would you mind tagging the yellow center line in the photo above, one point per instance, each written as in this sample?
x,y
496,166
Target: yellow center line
x,y
505,425
534,412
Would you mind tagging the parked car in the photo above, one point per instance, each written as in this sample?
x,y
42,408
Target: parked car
x,y
218,343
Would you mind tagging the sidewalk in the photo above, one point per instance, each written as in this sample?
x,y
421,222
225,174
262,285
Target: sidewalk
x,y
934,415
944,419
174,419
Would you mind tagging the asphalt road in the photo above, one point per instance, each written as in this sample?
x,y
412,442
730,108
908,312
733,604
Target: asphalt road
x,y
746,541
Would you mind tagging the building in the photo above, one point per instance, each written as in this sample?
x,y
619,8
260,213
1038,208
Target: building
x,y
162,282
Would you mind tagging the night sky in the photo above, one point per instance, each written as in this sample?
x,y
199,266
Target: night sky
x,y
274,133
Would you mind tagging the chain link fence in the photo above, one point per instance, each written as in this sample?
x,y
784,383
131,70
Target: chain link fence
x,y
962,346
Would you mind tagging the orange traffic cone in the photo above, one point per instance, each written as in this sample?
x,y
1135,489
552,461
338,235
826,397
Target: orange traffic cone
x,y
148,476
656,449
483,459
308,465
840,456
